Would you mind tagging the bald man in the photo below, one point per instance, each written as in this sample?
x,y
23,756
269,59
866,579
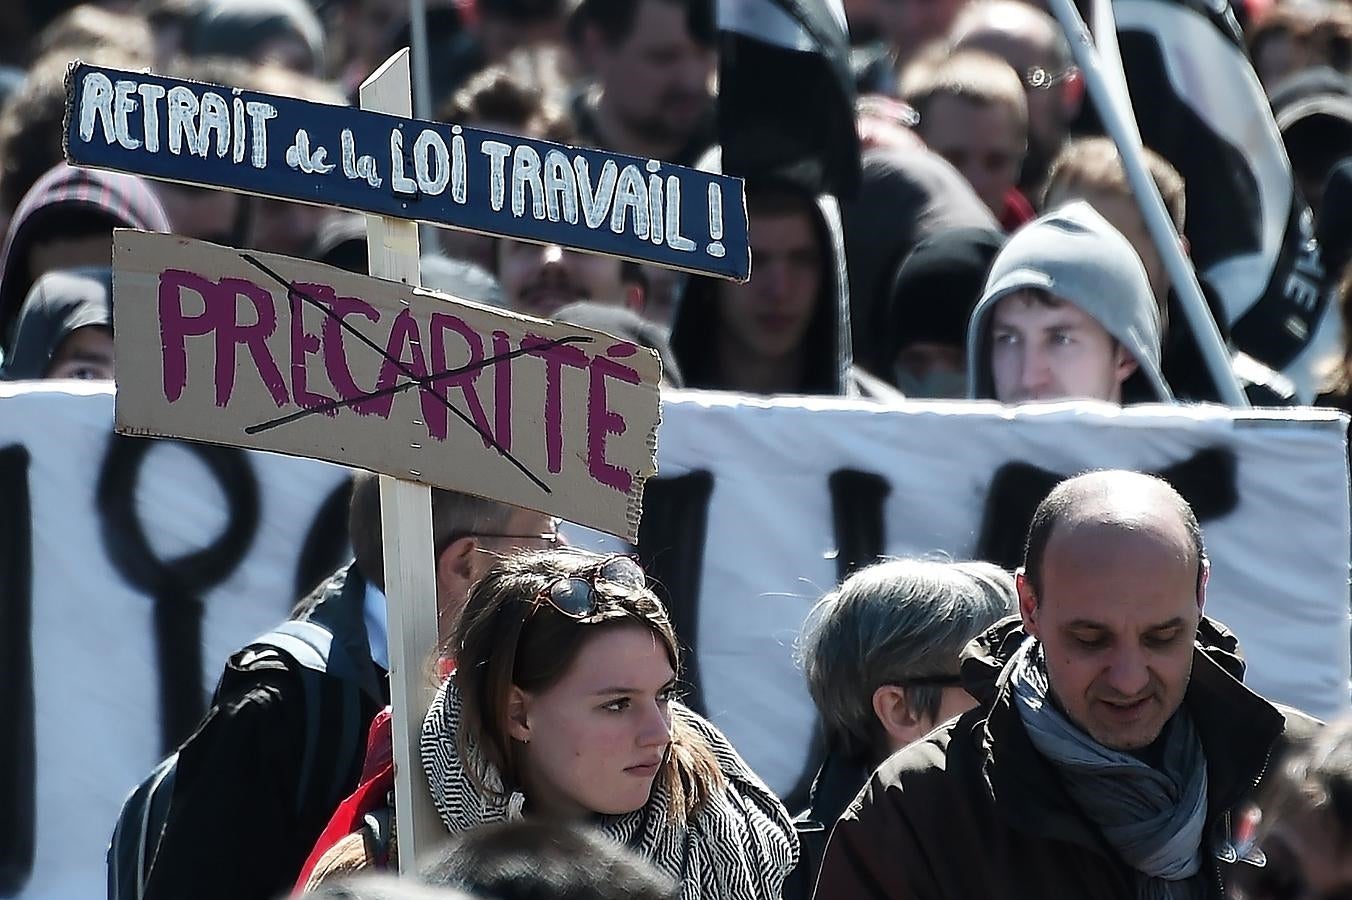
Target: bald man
x,y
1112,737
1032,43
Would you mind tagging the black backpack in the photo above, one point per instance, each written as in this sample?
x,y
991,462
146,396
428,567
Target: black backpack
x,y
312,655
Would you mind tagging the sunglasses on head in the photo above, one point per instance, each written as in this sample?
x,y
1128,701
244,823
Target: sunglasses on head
x,y
578,596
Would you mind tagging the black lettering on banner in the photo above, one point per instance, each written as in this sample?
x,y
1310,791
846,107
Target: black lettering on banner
x,y
18,748
671,548
858,501
1207,480
326,544
176,586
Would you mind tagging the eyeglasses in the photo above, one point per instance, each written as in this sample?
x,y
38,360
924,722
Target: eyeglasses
x,y
1038,78
929,681
551,538
578,596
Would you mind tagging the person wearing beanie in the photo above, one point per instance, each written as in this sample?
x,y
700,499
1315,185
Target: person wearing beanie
x,y
1067,313
922,326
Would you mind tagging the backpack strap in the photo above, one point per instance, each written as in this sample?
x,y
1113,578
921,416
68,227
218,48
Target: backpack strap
x,y
319,660
136,837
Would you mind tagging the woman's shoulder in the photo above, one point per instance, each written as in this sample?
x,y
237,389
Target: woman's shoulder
x,y
742,793
743,836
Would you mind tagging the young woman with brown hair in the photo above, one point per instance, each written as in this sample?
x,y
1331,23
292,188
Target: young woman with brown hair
x,y
562,707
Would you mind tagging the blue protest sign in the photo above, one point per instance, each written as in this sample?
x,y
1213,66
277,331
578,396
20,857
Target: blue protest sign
x,y
443,174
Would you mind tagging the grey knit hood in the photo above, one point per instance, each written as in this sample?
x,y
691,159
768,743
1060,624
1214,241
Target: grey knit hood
x,y
1073,254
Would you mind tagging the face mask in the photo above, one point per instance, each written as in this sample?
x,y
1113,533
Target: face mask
x,y
934,385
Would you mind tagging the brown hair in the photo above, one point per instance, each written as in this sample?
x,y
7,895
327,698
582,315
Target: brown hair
x,y
32,121
971,75
1339,378
87,27
1321,35
517,94
1094,162
506,637
454,515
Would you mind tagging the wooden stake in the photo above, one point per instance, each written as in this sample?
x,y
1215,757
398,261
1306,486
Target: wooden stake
x,y
406,519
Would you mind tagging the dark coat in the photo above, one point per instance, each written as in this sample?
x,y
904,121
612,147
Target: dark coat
x,y
60,303
837,784
239,825
974,810
828,361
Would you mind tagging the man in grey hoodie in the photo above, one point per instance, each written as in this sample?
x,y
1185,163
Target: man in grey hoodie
x,y
1067,313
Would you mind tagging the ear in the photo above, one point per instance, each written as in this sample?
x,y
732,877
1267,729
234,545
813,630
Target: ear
x,y
1203,576
633,297
1027,603
1124,365
899,722
1072,93
518,715
1187,245
456,573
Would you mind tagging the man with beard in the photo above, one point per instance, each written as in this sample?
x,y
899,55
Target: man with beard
x,y
1113,737
653,63
537,279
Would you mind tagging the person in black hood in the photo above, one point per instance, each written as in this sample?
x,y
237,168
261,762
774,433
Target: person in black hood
x,y
67,219
65,328
1313,111
787,330
905,195
922,327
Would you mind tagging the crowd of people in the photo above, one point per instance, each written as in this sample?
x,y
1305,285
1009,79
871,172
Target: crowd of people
x,y
1079,727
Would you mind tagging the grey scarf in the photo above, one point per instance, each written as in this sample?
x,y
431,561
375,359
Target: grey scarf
x,y
1154,819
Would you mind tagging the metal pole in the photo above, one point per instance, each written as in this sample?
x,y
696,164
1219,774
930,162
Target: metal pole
x,y
422,79
422,90
1114,108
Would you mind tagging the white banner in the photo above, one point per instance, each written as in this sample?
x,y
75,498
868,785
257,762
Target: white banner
x,y
1271,489
126,538
115,529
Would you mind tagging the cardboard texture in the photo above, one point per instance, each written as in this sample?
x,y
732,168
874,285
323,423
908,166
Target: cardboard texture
x,y
263,351
445,174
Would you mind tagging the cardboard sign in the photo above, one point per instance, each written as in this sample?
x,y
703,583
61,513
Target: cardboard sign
x,y
640,209
257,350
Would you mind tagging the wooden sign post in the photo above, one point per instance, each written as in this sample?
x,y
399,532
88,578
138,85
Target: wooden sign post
x,y
256,350
406,527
